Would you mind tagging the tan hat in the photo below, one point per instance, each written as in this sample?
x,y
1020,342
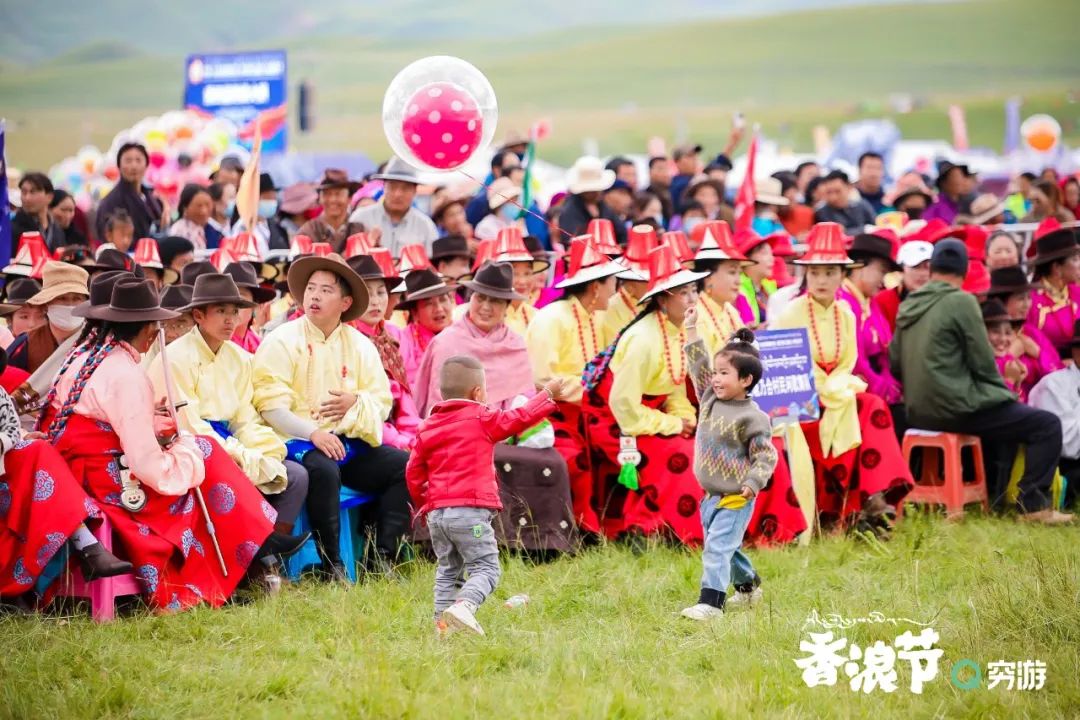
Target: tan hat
x,y
59,278
588,174
769,191
502,191
302,270
983,208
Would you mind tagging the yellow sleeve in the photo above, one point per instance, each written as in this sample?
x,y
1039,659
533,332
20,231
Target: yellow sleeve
x,y
547,341
272,373
365,418
839,429
260,452
183,379
678,404
630,367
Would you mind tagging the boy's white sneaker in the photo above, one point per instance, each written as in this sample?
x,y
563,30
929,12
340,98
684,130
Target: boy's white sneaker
x,y
702,611
744,600
462,616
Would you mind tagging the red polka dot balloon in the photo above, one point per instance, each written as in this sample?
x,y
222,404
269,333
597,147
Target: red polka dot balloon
x,y
442,125
438,112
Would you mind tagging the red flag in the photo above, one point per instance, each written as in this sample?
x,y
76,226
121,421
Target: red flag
x,y
744,201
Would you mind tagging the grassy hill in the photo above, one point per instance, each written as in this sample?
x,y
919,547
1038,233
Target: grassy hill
x,y
622,85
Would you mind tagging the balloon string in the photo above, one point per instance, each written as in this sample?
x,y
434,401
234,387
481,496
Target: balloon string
x,y
518,205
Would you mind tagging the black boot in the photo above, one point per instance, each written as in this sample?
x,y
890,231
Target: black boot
x,y
97,562
327,534
281,545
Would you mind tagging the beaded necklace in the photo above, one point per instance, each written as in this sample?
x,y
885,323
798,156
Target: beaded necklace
x,y
680,377
585,353
826,365
732,315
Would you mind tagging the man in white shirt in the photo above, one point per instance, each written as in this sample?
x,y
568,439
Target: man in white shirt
x,y
1059,393
398,223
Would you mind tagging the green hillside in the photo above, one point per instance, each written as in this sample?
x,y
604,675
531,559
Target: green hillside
x,y
622,85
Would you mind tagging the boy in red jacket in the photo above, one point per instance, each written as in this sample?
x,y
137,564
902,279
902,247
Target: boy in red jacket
x,y
451,477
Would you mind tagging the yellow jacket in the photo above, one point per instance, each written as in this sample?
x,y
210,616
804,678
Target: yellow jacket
x,y
621,309
640,368
561,339
218,387
839,429
716,323
296,367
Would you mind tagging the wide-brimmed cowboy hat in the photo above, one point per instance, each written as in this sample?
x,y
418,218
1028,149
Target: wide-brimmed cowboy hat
x,y
19,291
194,269
494,280
303,268
451,246
993,311
215,289
423,284
134,301
399,170
101,287
1054,245
866,247
113,259
1009,280
243,274
176,297
945,167
368,268
444,203
588,174
983,208
334,178
60,278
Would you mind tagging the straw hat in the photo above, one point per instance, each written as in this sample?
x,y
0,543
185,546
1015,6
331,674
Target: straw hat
x,y
502,191
769,191
983,208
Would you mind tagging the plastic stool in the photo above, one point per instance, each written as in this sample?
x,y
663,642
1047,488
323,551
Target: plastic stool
x,y
950,490
101,593
308,555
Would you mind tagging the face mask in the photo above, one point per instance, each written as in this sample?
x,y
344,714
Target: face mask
x,y
230,208
267,208
61,317
509,212
659,220
692,223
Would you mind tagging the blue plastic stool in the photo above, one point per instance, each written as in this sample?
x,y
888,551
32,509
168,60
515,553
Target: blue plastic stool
x,y
308,555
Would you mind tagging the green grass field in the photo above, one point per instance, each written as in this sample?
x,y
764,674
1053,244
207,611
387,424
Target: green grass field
x,y
622,85
601,638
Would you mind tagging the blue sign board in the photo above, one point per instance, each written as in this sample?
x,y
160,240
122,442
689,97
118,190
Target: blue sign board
x,y
786,391
244,88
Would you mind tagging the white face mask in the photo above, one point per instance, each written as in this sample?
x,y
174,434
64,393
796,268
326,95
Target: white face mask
x,y
61,317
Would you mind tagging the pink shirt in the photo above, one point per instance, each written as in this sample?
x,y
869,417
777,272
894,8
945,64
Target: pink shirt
x,y
414,340
120,394
248,341
399,430
1048,361
1056,320
874,336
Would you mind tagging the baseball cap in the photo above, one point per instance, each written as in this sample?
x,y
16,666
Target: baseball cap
x,y
914,253
684,150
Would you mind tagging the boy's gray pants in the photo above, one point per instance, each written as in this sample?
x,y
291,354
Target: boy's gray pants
x,y
464,543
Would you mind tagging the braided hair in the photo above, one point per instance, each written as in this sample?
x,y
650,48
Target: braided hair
x,y
96,354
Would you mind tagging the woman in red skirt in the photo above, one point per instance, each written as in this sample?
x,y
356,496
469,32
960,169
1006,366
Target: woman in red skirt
x,y
41,508
859,470
562,337
103,420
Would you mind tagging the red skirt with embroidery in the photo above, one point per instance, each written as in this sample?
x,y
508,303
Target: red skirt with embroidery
x,y
567,422
876,466
668,495
41,505
167,540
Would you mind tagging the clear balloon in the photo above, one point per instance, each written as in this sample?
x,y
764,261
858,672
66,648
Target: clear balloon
x,y
1041,132
438,112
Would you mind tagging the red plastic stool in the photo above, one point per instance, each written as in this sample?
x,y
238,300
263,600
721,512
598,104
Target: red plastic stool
x,y
950,490
101,593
